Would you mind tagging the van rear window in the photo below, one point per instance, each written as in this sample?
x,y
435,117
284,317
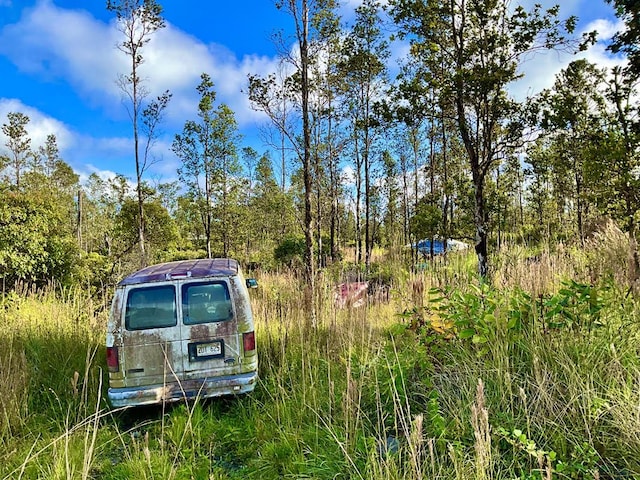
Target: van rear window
x,y
205,303
151,307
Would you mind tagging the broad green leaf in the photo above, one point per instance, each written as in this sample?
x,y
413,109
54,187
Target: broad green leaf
x,y
467,333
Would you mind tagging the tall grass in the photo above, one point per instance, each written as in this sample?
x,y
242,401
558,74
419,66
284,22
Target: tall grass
x,y
531,378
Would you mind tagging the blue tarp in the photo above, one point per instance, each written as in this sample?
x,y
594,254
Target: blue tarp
x,y
424,247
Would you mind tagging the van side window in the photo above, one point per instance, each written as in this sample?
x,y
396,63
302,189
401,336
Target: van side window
x,y
206,302
151,307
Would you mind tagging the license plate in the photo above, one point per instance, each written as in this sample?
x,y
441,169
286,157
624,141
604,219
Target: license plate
x,y
208,349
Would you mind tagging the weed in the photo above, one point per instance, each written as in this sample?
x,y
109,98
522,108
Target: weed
x,y
575,306
361,395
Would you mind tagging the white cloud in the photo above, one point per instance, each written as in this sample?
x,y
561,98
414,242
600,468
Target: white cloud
x,y
39,126
104,174
118,153
606,28
101,173
540,70
598,54
75,149
164,170
348,176
73,45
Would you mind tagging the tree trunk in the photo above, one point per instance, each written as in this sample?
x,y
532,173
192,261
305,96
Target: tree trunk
x,y
478,171
208,214
367,204
358,195
303,38
478,175
135,113
405,200
333,188
445,173
225,213
432,181
141,241
579,206
334,212
415,145
481,227
318,208
500,215
79,219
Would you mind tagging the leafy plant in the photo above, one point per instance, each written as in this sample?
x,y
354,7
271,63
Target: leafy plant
x,y
290,251
575,306
473,316
581,464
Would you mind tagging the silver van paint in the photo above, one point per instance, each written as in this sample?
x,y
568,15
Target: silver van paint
x,y
170,363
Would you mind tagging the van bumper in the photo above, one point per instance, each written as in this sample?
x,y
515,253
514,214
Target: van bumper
x,y
184,390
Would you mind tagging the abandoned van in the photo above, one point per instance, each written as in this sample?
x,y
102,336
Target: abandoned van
x,y
181,330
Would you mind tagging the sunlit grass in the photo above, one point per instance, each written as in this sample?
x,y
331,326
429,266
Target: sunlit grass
x,y
358,395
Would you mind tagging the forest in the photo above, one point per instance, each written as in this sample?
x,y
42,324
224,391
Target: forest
x,y
356,160
514,358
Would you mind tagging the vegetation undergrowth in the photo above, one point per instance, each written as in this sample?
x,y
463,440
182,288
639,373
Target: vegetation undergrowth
x,y
448,379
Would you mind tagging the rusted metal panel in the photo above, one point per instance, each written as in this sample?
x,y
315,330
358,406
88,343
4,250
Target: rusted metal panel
x,y
200,332
223,333
244,316
146,356
151,362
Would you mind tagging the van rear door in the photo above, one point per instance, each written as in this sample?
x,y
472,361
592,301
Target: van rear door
x,y
210,341
152,353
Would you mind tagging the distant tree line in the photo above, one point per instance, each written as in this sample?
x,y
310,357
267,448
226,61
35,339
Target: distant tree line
x,y
354,159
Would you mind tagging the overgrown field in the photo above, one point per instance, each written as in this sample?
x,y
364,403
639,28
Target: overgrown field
x,y
536,376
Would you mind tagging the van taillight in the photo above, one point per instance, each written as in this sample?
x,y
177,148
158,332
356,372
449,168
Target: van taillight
x,y
249,341
112,359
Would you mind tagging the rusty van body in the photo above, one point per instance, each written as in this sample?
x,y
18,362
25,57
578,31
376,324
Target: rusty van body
x,y
181,330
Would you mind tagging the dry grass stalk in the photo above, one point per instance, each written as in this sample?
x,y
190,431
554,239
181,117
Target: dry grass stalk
x,y
14,388
416,444
482,434
609,253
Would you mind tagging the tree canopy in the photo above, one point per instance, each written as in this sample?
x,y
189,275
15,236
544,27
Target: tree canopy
x,y
354,159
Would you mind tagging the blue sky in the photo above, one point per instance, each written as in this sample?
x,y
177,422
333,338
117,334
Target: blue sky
x,y
59,64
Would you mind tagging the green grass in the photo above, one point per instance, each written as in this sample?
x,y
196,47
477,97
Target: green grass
x,y
513,386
